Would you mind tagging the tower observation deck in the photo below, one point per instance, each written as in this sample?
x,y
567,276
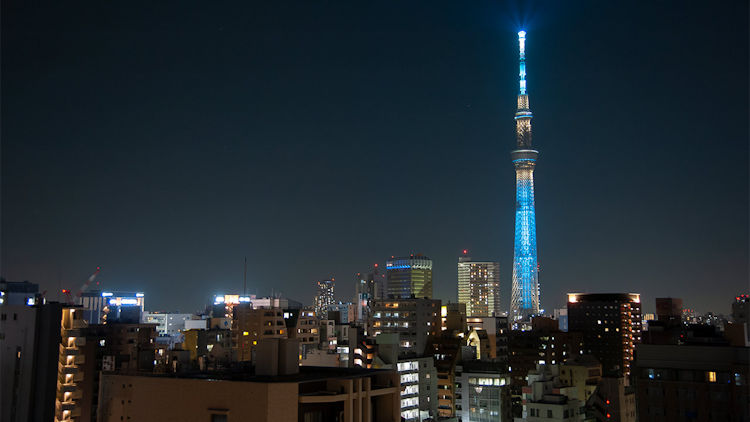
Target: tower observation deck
x,y
525,290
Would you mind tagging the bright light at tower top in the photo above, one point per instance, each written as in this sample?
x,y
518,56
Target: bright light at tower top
x,y
522,55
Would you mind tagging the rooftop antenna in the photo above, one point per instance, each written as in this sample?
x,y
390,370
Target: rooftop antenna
x,y
244,280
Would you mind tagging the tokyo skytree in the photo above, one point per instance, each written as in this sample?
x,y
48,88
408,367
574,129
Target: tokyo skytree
x,y
525,290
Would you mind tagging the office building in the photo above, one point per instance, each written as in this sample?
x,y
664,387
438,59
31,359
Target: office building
x,y
479,286
123,307
525,288
409,276
19,293
413,319
611,327
223,306
323,297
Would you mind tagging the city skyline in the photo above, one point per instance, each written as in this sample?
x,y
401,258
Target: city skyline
x,y
264,133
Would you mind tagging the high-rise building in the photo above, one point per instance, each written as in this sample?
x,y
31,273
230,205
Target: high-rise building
x,y
525,290
479,286
368,288
323,297
34,363
611,327
414,319
409,276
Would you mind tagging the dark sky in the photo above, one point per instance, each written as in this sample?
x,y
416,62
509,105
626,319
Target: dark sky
x,y
165,141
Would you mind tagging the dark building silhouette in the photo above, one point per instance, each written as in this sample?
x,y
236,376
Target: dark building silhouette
x,y
611,327
707,382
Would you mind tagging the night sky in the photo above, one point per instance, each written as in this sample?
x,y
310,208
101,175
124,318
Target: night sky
x,y
166,141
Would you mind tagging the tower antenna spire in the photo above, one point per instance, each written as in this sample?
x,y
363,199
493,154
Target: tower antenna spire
x,y
522,62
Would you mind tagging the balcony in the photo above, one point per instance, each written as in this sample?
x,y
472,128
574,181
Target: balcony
x,y
68,388
72,332
68,351
67,405
67,369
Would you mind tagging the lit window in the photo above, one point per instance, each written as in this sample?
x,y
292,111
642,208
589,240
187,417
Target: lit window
x,y
711,375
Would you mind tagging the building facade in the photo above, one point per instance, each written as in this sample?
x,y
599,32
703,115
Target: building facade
x,y
479,287
409,276
250,325
166,324
314,394
692,382
34,368
525,289
482,392
611,327
323,297
546,399
413,319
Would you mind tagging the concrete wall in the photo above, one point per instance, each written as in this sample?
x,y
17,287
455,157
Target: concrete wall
x,y
173,399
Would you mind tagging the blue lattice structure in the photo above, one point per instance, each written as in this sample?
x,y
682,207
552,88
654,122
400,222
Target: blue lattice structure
x,y
525,290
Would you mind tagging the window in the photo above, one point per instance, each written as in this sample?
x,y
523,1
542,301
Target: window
x,y
216,417
711,376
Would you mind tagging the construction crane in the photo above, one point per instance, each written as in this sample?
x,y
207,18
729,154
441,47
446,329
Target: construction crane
x,y
69,296
88,282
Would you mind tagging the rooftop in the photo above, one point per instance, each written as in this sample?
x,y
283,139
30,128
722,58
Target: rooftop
x,y
247,374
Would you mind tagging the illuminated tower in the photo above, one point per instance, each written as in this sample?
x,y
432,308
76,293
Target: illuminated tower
x,y
525,292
